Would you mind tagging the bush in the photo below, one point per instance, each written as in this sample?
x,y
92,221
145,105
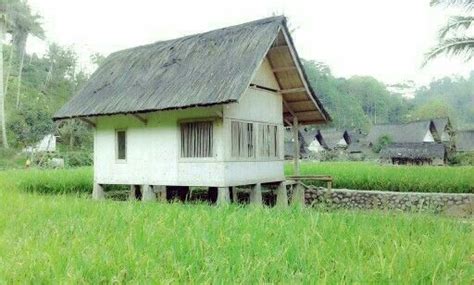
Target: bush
x,y
369,176
77,158
462,159
382,142
57,181
12,158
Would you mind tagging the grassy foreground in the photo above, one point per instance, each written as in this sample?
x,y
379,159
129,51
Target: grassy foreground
x,y
70,239
351,175
371,176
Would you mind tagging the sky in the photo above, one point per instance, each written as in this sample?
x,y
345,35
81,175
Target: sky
x,y
381,38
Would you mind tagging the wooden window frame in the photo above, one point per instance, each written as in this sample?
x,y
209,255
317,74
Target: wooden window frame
x,y
117,159
260,141
254,141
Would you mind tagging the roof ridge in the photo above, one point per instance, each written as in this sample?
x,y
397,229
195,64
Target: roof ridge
x,y
241,25
401,124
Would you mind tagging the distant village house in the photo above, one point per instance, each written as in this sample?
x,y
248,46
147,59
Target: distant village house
x,y
414,153
416,143
465,141
46,144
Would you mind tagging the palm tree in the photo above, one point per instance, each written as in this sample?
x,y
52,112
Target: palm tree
x,y
2,95
10,8
456,37
24,25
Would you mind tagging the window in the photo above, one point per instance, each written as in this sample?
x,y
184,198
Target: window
x,y
268,140
243,139
197,139
121,145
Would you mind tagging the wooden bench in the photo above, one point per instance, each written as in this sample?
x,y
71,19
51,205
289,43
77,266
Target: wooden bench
x,y
325,178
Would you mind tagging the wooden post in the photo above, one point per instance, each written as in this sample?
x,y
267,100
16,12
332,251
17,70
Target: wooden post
x,y
131,194
256,195
223,196
98,192
282,195
298,195
296,147
148,194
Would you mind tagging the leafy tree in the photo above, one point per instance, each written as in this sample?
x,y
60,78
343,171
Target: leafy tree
x,y
381,143
24,24
97,59
345,110
447,96
30,125
2,94
437,108
356,102
75,134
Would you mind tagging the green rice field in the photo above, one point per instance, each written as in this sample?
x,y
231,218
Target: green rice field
x,y
47,239
371,176
350,175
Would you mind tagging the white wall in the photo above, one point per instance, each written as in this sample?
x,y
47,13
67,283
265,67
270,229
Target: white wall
x,y
342,142
258,106
47,144
153,150
315,146
428,137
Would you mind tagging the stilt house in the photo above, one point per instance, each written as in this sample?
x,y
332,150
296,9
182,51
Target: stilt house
x,y
202,110
465,141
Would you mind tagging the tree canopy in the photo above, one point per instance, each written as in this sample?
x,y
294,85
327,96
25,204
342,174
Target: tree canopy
x,y
48,81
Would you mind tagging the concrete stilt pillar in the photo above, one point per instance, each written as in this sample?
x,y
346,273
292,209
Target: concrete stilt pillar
x,y
282,195
160,191
298,195
131,194
256,194
98,192
235,198
148,194
223,196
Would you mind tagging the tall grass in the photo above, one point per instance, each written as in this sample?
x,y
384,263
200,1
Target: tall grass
x,y
70,239
55,181
369,176
65,239
352,175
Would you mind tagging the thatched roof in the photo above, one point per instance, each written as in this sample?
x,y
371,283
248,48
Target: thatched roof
x,y
289,141
330,138
308,135
465,140
355,135
413,132
441,123
198,70
414,151
355,147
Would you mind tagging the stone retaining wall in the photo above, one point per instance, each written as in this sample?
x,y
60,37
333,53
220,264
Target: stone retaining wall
x,y
358,199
